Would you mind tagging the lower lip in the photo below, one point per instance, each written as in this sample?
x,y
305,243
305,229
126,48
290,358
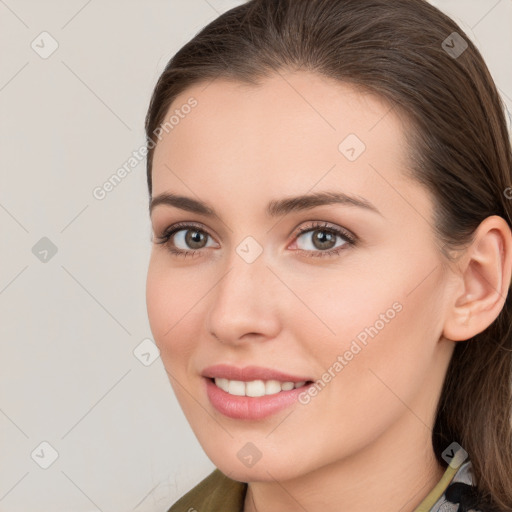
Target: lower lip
x,y
248,407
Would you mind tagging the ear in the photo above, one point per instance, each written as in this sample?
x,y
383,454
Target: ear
x,y
483,281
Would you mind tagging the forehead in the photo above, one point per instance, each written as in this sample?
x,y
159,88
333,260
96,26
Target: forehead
x,y
291,132
296,104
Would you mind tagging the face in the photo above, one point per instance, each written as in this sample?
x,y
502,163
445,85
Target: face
x,y
346,296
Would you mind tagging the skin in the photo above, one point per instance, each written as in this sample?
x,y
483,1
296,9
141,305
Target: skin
x,y
364,442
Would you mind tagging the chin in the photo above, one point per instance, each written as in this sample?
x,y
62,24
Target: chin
x,y
278,467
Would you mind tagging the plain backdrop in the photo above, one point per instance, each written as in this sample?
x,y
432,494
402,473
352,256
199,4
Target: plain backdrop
x,y
86,423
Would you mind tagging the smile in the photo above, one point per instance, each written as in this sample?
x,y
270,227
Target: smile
x,y
252,392
255,388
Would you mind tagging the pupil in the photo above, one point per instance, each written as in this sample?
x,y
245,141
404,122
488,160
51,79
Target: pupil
x,y
323,237
193,238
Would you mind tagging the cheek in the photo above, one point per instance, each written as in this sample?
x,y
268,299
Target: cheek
x,y
378,325
170,310
350,309
400,299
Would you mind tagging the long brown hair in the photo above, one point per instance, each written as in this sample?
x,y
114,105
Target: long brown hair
x,y
406,52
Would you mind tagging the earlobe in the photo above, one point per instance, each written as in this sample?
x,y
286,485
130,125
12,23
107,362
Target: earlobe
x,y
484,274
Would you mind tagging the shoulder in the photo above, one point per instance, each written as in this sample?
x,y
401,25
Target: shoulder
x,y
216,492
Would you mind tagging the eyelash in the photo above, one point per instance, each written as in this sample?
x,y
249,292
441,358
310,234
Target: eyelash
x,y
347,237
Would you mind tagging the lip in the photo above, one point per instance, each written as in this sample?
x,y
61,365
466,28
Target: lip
x,y
249,373
248,407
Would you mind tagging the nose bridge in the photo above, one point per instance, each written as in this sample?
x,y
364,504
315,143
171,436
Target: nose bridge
x,y
247,269
244,299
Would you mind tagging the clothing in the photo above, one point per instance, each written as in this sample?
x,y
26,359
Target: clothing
x,y
218,493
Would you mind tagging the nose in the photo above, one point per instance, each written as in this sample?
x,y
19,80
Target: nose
x,y
244,303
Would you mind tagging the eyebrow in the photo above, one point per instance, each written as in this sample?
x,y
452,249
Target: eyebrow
x,y
275,208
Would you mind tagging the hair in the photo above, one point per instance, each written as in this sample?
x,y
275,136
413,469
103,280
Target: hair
x,y
459,150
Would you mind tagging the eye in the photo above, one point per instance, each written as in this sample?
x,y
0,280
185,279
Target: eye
x,y
188,236
321,239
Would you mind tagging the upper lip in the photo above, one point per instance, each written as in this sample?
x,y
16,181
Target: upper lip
x,y
249,373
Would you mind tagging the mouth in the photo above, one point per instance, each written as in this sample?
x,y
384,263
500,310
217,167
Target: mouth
x,y
252,392
256,388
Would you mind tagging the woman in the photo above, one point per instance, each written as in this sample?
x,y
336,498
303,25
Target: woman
x,y
328,284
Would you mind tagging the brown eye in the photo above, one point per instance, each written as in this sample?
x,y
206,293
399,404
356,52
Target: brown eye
x,y
194,239
184,239
188,239
321,240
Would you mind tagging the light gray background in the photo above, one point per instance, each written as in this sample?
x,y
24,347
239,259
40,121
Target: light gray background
x,y
69,326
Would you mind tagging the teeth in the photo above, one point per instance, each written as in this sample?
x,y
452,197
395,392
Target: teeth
x,y
236,387
222,384
272,387
255,387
